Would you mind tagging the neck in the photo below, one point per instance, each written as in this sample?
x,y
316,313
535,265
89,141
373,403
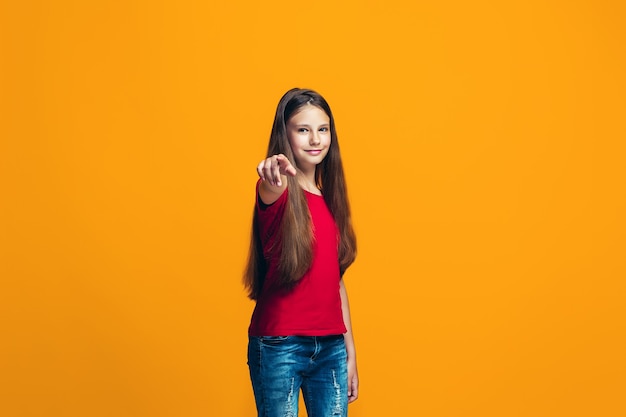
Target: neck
x,y
307,181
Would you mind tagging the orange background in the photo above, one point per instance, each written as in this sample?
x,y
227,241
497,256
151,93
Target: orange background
x,y
484,149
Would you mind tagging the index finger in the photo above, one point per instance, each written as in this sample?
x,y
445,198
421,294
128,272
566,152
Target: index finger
x,y
284,163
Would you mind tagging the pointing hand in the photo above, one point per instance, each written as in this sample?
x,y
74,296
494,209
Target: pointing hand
x,y
272,168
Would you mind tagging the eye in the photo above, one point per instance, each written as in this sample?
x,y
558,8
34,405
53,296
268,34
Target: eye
x,y
303,130
324,129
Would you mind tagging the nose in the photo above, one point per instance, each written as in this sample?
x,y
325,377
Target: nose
x,y
314,139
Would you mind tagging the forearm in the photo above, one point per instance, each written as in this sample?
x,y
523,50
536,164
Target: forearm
x,y
270,192
345,308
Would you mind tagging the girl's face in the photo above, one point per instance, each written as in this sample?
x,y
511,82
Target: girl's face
x,y
308,131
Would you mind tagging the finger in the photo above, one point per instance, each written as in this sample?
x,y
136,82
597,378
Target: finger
x,y
353,392
349,385
290,170
276,171
259,170
267,171
286,167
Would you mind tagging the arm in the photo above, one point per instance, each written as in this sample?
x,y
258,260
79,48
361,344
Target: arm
x,y
353,375
272,172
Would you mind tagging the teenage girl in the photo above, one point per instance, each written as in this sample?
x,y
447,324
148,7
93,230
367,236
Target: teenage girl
x,y
300,335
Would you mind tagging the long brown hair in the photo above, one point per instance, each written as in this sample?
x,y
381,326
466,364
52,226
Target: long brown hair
x,y
296,235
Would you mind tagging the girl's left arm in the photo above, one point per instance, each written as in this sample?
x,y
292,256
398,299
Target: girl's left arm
x,y
353,375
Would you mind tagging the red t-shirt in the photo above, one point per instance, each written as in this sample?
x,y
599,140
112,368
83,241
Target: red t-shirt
x,y
313,306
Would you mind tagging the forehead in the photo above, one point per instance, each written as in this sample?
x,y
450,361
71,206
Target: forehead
x,y
309,115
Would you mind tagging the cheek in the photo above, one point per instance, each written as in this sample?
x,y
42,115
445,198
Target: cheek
x,y
293,141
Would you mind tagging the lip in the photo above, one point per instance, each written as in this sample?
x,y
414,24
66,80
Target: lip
x,y
314,151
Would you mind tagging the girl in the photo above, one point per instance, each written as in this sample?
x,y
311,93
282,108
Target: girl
x,y
300,335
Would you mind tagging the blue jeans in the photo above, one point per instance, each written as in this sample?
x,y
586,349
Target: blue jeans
x,y
282,365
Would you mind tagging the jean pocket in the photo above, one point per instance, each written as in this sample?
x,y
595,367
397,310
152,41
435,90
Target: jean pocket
x,y
273,340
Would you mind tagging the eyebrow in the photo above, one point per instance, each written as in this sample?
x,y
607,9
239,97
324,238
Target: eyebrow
x,y
306,125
